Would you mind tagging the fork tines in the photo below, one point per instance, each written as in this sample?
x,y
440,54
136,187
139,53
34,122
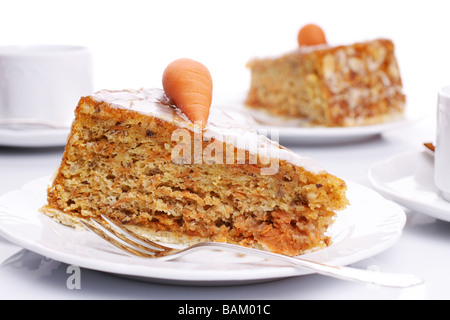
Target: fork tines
x,y
125,240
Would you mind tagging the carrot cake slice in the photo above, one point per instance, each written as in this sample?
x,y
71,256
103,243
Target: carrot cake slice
x,y
134,157
333,86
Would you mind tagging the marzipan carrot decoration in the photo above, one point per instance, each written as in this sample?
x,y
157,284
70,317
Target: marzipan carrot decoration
x,y
311,35
188,84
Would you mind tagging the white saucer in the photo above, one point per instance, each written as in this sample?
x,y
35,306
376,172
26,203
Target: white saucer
x,y
42,137
370,225
408,180
295,132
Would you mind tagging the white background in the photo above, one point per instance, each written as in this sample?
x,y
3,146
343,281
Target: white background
x,y
133,41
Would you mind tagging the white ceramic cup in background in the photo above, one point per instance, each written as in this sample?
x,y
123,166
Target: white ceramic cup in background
x,y
442,150
44,82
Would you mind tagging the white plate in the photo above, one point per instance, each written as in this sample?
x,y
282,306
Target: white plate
x,y
369,226
292,131
408,180
45,137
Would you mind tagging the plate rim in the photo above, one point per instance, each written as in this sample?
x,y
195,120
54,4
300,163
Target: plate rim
x,y
321,135
354,131
49,137
401,198
197,277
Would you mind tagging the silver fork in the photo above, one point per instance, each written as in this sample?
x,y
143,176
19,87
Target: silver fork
x,y
136,245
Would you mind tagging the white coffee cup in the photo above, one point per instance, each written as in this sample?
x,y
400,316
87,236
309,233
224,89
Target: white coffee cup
x,y
442,149
43,82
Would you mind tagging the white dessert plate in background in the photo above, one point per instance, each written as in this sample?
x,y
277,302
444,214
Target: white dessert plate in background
x,y
408,180
295,132
370,225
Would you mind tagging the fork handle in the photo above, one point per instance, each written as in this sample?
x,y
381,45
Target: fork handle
x,y
396,280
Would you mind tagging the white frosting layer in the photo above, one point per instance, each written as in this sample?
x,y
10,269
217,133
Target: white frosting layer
x,y
222,125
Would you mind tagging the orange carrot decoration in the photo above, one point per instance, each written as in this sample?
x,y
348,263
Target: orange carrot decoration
x,y
188,84
310,35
